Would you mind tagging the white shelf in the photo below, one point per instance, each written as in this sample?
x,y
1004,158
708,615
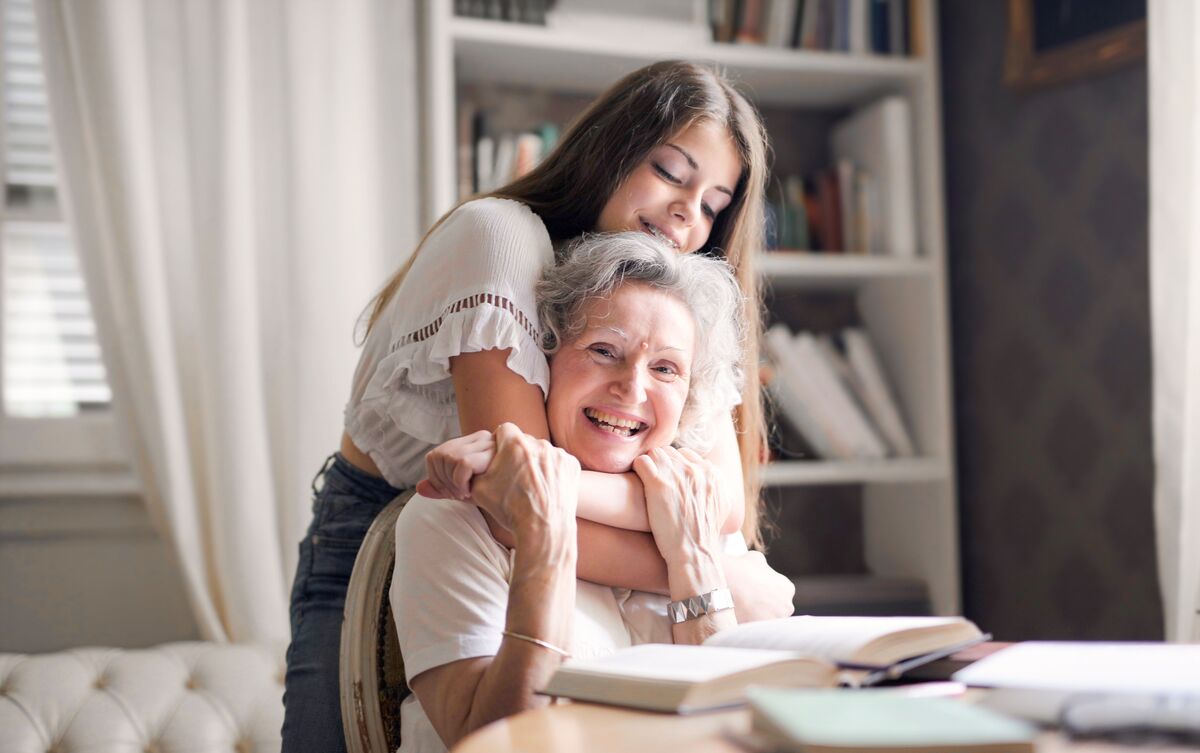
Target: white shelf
x,y
909,505
801,269
526,55
822,472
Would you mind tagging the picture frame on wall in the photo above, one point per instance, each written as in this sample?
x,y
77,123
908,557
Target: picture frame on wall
x,y
1058,41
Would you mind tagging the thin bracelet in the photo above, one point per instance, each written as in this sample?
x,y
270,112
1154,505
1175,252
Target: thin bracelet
x,y
539,642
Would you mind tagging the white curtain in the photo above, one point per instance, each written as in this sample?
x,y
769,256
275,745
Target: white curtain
x,y
1174,28
240,177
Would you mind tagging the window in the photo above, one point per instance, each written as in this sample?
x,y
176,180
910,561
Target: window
x,y
55,396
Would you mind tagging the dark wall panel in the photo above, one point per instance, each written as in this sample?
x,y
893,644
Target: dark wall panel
x,y
1047,214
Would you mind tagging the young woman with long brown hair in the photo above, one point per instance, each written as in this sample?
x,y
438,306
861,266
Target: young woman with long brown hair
x,y
672,150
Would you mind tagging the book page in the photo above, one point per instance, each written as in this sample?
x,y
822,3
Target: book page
x,y
1095,667
833,638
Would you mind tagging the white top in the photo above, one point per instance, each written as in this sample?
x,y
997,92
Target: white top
x,y
470,288
449,597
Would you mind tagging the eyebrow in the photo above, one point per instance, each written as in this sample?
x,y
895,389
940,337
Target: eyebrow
x,y
621,333
691,161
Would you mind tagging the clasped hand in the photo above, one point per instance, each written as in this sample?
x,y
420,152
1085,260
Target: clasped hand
x,y
526,484
682,503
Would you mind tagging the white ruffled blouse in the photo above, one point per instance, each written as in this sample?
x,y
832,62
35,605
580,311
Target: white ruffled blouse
x,y
470,288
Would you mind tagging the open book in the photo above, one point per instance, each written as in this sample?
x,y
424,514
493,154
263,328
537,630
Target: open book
x,y
790,652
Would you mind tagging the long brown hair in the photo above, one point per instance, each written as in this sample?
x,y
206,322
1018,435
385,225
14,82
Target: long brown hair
x,y
616,133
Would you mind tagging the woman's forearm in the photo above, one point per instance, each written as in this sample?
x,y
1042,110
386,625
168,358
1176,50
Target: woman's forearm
x,y
609,556
618,500
613,499
625,559
541,605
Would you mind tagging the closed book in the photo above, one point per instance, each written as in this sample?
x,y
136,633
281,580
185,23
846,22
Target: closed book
x,y
897,27
750,25
858,40
789,652
809,25
855,436
879,721
793,394
876,395
830,210
781,23
880,28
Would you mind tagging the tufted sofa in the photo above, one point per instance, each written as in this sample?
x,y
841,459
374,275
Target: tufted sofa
x,y
194,697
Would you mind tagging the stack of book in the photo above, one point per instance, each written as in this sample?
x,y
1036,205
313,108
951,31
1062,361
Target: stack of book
x,y
518,11
833,211
832,389
863,203
861,27
489,158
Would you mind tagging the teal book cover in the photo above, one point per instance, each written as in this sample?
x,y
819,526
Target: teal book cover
x,y
881,720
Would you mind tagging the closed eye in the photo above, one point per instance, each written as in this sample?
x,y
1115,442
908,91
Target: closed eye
x,y
663,172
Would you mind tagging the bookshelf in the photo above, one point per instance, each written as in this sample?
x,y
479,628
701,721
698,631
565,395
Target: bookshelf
x,y
909,504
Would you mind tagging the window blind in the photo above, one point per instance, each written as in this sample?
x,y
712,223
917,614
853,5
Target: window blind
x,y
52,364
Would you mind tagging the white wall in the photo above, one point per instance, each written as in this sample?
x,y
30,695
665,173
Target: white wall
x,y
86,571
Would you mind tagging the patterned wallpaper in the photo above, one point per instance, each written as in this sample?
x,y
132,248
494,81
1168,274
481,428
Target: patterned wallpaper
x,y
1047,216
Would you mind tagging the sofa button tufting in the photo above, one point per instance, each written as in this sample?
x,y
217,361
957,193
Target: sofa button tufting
x,y
101,683
191,684
244,746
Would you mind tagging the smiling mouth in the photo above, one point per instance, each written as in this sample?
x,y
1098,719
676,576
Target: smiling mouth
x,y
622,427
657,233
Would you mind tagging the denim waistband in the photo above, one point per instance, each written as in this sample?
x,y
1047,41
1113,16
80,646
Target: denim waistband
x,y
341,473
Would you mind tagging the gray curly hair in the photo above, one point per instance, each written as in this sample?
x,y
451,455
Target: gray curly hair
x,y
598,264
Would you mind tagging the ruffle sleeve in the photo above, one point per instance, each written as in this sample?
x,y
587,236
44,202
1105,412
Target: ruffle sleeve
x,y
471,288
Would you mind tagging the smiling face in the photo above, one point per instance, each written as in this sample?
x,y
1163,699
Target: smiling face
x,y
617,389
679,189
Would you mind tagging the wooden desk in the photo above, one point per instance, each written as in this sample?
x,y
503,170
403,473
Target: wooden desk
x,y
584,727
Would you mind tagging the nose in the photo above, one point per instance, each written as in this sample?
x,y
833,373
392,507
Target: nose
x,y
630,385
686,208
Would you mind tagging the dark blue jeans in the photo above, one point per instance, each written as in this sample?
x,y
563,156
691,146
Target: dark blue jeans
x,y
345,503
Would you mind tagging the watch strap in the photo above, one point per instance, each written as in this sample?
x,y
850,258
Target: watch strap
x,y
695,606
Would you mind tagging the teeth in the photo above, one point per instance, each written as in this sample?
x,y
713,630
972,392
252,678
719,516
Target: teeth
x,y
611,420
659,234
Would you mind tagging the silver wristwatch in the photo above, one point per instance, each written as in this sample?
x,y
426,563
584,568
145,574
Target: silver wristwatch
x,y
693,607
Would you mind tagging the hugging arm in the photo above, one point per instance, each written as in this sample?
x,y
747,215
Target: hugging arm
x,y
489,393
534,497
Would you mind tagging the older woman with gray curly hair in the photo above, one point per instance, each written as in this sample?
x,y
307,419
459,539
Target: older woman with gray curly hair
x,y
644,347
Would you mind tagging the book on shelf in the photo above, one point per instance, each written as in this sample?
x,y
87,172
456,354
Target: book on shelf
x,y
836,210
857,27
879,721
832,390
878,139
872,388
517,11
800,651
489,157
797,399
